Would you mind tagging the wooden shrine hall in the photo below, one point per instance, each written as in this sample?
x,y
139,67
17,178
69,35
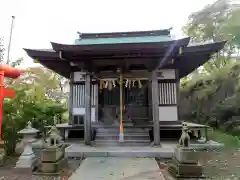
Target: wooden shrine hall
x,y
124,85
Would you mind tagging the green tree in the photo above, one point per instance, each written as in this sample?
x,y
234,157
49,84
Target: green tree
x,y
216,22
39,98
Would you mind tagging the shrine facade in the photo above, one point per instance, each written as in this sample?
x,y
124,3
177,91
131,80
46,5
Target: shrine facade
x,y
125,79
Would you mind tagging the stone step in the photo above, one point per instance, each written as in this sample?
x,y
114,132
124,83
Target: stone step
x,y
123,144
125,140
125,137
116,130
111,143
125,134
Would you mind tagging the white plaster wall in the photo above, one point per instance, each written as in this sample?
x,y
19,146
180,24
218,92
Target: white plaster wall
x,y
168,113
167,74
78,76
81,111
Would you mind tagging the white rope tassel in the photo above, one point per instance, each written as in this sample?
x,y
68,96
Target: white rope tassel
x,y
126,84
113,82
133,83
129,83
106,85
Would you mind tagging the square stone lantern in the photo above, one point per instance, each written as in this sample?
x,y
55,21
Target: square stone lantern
x,y
52,157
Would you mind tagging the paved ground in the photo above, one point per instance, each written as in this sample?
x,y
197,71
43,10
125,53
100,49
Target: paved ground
x,y
112,168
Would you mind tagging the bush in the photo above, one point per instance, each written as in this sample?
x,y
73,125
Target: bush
x,y
23,108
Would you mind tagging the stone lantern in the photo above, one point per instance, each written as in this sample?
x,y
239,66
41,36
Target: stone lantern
x,y
29,133
54,140
52,157
27,160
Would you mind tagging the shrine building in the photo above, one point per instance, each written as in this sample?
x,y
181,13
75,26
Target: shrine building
x,y
124,82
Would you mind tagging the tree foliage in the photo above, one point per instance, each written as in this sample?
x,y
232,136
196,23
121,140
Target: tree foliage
x,y
212,95
216,22
39,98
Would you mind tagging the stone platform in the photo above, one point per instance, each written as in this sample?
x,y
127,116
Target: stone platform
x,y
166,151
179,170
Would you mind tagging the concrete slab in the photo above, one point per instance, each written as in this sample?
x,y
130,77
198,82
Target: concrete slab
x,y
118,169
78,150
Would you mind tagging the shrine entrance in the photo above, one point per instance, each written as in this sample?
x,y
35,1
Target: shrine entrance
x,y
134,100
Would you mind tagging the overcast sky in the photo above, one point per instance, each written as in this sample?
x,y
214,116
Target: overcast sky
x,y
40,21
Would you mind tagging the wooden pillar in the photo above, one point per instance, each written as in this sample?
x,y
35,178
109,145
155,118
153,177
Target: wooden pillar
x,y
150,101
70,99
155,111
96,89
87,117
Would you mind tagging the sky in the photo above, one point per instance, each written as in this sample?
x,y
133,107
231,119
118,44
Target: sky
x,y
37,23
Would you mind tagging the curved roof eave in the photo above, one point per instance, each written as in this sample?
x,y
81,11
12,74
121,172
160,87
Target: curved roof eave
x,y
120,46
197,55
205,47
42,53
48,58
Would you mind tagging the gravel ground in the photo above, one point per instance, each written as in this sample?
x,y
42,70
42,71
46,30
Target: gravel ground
x,y
7,172
223,165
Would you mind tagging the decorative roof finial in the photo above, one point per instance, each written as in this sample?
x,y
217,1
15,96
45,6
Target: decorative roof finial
x,y
29,125
80,35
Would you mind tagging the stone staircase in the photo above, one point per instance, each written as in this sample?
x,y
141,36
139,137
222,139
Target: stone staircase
x,y
109,136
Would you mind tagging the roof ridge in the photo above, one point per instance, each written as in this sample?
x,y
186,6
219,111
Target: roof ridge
x,y
165,32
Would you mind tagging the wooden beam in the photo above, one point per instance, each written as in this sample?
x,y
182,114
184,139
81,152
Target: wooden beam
x,y
155,111
87,117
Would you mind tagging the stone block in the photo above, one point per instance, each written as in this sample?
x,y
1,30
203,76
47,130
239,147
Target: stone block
x,y
52,154
180,170
186,155
26,162
1,144
1,159
27,159
52,167
2,153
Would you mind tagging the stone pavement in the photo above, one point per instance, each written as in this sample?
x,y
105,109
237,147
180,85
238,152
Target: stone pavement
x,y
114,168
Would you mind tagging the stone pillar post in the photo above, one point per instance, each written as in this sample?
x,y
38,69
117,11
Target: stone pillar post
x,y
87,117
155,111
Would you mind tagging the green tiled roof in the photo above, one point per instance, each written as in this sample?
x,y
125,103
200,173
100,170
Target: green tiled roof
x,y
119,40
